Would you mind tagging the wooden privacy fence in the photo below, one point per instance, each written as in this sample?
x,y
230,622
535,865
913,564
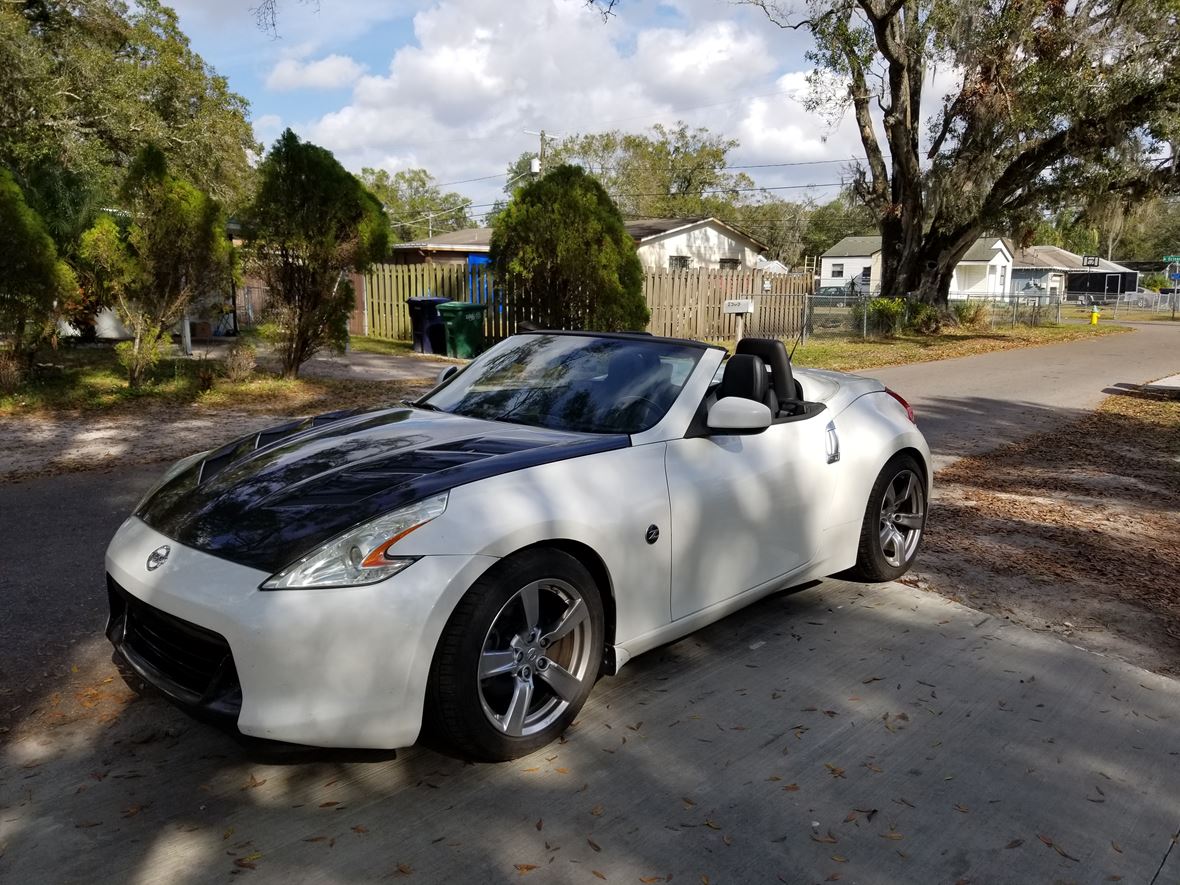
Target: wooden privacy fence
x,y
683,304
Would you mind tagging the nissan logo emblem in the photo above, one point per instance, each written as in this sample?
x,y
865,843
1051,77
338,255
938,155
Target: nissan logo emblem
x,y
158,557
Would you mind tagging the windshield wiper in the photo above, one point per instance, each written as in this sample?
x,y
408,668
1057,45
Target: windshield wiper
x,y
413,404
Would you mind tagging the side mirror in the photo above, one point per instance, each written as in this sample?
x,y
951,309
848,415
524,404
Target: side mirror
x,y
445,374
736,414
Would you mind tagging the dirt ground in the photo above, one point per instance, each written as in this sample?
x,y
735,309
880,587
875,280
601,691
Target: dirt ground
x,y
1074,532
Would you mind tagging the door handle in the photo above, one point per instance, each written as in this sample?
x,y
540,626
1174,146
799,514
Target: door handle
x,y
833,443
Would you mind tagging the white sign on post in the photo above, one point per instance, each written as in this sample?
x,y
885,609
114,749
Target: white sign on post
x,y
742,307
738,305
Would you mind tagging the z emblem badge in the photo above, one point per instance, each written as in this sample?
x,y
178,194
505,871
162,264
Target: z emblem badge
x,y
158,557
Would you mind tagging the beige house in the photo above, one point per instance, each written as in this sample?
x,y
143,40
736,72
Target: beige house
x,y
661,243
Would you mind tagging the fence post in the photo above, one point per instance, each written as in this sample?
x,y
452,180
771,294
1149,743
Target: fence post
x,y
864,316
1015,304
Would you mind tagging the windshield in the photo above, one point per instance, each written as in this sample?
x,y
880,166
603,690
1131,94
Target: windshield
x,y
572,382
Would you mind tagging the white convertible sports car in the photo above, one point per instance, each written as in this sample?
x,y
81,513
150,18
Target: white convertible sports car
x,y
470,563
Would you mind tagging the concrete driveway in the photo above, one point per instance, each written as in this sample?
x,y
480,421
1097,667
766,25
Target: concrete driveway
x,y
874,734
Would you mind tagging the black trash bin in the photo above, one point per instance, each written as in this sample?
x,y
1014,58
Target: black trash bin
x,y
464,324
430,336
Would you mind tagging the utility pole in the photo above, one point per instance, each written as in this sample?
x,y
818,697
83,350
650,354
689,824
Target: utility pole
x,y
541,153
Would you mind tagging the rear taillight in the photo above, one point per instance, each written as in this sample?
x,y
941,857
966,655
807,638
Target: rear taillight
x,y
909,410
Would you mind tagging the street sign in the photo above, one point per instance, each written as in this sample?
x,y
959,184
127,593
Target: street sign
x,y
1171,258
1174,277
1089,261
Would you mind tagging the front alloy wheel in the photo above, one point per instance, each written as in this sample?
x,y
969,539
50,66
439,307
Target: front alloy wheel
x,y
536,657
518,657
894,520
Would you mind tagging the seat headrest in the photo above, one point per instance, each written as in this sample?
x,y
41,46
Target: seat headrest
x,y
774,353
744,376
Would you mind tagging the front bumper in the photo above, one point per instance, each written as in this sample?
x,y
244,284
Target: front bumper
x,y
343,667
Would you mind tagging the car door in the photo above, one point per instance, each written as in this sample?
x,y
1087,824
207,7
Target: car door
x,y
742,509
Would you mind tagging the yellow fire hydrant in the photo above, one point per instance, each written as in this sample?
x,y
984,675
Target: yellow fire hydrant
x,y
1094,316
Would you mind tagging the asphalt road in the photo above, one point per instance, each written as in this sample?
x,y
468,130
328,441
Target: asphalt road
x,y
955,735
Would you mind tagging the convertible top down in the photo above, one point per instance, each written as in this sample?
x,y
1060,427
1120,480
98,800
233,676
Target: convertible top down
x,y
471,562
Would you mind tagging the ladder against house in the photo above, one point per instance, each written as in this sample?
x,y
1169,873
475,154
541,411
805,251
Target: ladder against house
x,y
811,267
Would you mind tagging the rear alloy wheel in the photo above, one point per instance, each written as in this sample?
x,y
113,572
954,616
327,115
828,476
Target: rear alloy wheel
x,y
518,657
894,521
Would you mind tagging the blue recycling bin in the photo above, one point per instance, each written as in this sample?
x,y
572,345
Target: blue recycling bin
x,y
426,325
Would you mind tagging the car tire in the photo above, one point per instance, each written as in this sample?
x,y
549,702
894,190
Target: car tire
x,y
517,658
895,520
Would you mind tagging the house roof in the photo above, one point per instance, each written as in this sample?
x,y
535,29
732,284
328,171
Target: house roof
x,y
644,229
854,247
471,239
984,248
479,239
1056,258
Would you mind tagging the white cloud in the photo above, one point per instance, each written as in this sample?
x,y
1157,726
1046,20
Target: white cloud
x,y
331,72
267,128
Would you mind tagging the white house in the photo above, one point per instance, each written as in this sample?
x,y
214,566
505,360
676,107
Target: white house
x,y
685,243
985,270
661,243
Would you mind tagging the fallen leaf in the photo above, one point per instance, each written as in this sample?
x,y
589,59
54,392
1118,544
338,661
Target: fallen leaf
x,y
850,817
87,824
245,864
1064,854
597,810
688,802
829,839
599,875
524,868
133,810
893,835
792,788
540,824
329,804
593,844
712,824
316,839
253,782
1015,843
647,880
839,858
834,877
727,839
962,809
1045,839
872,766
360,829
404,869
833,770
871,679
1116,847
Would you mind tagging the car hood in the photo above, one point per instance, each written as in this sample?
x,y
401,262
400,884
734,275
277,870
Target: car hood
x,y
269,498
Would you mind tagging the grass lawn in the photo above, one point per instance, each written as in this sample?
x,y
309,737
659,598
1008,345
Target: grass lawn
x,y
91,379
852,354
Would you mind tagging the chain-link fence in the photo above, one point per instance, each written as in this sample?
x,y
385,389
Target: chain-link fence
x,y
1146,305
866,316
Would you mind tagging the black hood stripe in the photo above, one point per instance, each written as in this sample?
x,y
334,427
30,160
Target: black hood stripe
x,y
267,499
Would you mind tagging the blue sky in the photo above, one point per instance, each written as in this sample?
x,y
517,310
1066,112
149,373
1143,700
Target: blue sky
x,y
452,85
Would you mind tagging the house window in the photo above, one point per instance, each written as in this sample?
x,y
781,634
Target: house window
x,y
730,263
837,271
1003,280
679,262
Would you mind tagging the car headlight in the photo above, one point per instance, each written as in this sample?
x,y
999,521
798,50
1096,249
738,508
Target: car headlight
x,y
360,555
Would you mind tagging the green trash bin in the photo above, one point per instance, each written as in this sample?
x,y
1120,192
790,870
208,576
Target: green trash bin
x,y
464,324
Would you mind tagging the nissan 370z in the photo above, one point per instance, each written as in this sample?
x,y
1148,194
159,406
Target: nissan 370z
x,y
470,563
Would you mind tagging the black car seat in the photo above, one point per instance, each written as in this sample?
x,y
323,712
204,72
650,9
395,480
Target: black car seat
x,y
774,354
745,376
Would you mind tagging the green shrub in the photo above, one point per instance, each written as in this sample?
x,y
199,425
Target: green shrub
x,y
925,319
886,315
140,356
240,362
969,313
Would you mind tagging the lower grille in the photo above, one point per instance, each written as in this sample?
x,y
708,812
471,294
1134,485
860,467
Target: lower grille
x,y
185,661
